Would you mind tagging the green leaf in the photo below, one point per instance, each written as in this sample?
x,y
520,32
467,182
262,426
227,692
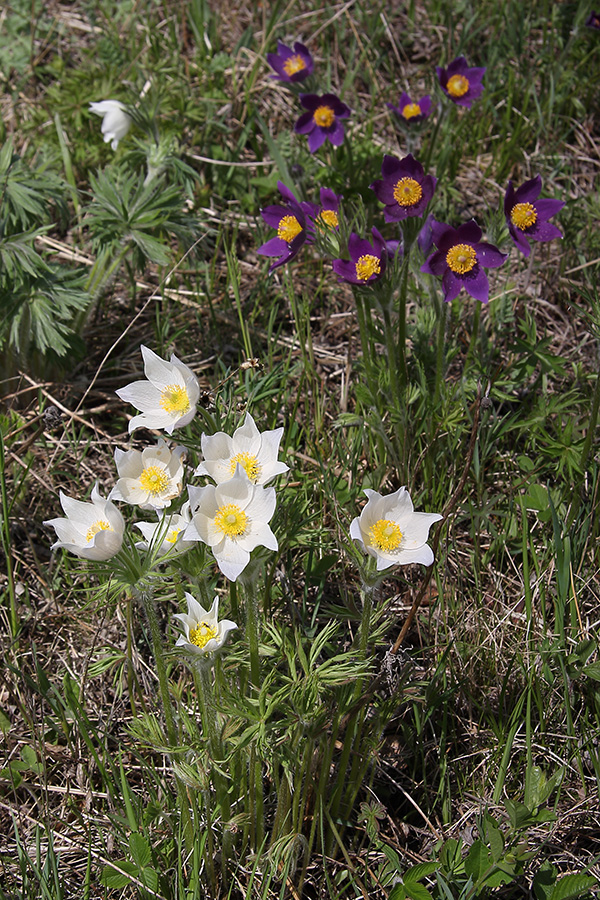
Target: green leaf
x,y
544,881
478,861
417,891
110,878
421,870
592,671
140,849
397,893
571,886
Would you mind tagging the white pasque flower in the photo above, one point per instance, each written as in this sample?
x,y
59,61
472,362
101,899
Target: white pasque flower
x,y
389,529
115,122
232,518
167,399
255,451
170,528
149,478
203,632
92,530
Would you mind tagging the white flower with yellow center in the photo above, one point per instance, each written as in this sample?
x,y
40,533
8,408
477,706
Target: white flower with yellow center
x,y
149,478
204,634
255,451
92,530
167,399
115,121
232,518
390,530
168,528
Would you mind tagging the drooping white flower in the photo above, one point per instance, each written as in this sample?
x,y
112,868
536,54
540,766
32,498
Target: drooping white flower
x,y
149,478
232,518
170,528
390,530
167,399
115,122
204,634
255,451
92,530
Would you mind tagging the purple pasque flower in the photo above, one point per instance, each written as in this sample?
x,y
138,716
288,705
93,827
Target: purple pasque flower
x,y
593,20
290,222
405,189
324,215
411,111
367,261
460,82
527,217
461,258
322,121
291,64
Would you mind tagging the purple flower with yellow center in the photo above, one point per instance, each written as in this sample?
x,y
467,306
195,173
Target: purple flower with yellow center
x,y
527,217
461,258
291,64
460,82
322,121
593,20
405,189
324,215
290,222
411,111
367,261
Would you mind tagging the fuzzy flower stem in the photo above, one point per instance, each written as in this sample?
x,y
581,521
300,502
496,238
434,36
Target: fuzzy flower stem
x,y
586,449
368,356
256,776
439,357
145,595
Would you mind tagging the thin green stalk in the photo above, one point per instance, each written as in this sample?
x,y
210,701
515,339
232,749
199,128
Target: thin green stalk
x,y
361,308
439,358
6,542
586,449
145,595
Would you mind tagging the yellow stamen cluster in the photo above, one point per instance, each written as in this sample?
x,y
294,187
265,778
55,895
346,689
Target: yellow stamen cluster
x,y
411,110
174,399
289,227
202,634
231,520
173,535
248,462
100,525
457,85
407,192
523,215
329,218
293,64
461,258
385,535
366,266
154,479
324,116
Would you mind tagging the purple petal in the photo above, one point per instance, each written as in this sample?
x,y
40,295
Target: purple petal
x,y
452,285
273,215
315,139
529,191
336,136
519,240
547,208
305,123
477,285
436,264
469,232
310,101
275,247
345,269
545,231
489,256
